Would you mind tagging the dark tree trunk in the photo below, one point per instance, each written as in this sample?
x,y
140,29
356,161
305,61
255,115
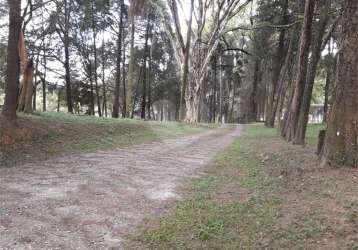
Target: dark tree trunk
x,y
255,81
67,58
104,81
90,73
281,90
44,87
13,60
115,112
124,109
149,103
43,79
58,99
276,69
306,34
341,146
326,95
145,72
215,88
34,100
316,56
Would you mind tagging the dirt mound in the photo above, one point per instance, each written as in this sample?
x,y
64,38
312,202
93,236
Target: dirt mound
x,y
16,132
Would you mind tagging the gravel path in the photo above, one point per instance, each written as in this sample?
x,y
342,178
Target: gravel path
x,y
90,201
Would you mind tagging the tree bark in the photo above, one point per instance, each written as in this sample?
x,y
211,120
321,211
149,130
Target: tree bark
x,y
104,80
315,57
185,76
13,60
115,112
125,104
306,34
277,67
145,71
149,103
67,58
328,84
43,79
341,146
255,81
131,65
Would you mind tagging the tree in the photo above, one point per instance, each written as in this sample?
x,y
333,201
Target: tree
x,y
115,112
62,25
341,145
305,43
319,43
13,69
135,8
207,37
278,60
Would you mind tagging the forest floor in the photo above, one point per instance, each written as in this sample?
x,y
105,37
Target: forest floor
x,y
261,193
94,200
46,135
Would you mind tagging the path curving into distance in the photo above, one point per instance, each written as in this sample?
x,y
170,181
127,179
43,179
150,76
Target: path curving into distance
x,y
90,201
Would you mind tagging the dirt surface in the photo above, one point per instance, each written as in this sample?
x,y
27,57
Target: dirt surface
x,y
91,201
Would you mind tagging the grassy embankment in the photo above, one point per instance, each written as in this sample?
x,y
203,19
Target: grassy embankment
x,y
262,193
51,134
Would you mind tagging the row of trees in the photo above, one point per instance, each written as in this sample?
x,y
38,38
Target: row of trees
x,y
104,57
100,58
294,44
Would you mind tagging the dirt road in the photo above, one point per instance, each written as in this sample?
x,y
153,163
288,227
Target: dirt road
x,y
91,201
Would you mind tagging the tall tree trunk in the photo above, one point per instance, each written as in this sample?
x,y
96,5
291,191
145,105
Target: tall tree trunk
x,y
328,84
90,73
326,95
104,80
253,112
67,57
145,70
44,85
13,60
281,90
277,66
220,89
34,99
125,108
233,104
131,65
316,56
306,34
341,146
185,76
94,33
43,79
136,92
215,89
115,112
149,103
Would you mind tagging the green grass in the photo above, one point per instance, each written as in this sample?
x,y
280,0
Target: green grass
x,y
239,204
54,134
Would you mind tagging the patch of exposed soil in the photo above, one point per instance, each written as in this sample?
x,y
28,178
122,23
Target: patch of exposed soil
x,y
90,201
